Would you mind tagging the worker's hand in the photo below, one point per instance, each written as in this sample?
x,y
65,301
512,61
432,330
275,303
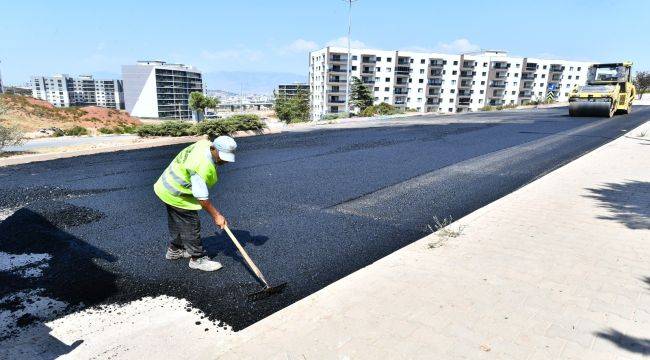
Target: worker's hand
x,y
220,221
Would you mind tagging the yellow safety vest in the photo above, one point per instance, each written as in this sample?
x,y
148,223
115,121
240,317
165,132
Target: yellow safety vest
x,y
174,186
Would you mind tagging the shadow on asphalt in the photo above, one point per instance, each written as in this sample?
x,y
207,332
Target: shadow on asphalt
x,y
220,243
626,342
627,202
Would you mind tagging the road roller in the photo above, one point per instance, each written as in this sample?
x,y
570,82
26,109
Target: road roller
x,y
609,90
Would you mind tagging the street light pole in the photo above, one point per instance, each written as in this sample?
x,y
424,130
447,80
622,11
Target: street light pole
x,y
349,67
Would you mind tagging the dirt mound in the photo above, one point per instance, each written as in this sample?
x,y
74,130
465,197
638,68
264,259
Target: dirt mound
x,y
33,114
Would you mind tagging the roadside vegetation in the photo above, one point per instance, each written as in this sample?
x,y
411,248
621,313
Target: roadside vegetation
x,y
444,231
10,136
380,109
199,102
642,82
211,128
73,131
292,109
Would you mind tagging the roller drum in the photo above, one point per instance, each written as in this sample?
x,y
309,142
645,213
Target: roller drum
x,y
590,108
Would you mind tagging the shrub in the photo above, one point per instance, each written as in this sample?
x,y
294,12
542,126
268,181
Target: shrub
x,y
119,129
73,131
10,136
218,127
166,128
342,115
380,109
487,108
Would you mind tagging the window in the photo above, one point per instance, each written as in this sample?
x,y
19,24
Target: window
x,y
452,91
579,68
483,73
482,82
513,93
421,71
453,82
387,79
389,69
354,57
386,89
571,68
378,69
411,61
378,58
517,66
354,67
422,61
482,92
543,76
516,74
539,93
421,81
569,77
541,84
484,64
385,99
410,80
376,88
442,90
577,77
480,101
567,86
454,72
389,59
377,79
451,101
420,90
455,62
544,67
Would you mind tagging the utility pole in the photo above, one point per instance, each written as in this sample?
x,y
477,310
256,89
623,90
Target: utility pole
x,y
349,67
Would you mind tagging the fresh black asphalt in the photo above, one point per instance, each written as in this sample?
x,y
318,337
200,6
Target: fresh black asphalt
x,y
310,206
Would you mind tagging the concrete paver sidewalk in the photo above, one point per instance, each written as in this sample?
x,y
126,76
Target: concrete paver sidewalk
x,y
557,269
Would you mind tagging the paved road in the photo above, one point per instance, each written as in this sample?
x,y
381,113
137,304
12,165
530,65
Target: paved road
x,y
310,206
35,144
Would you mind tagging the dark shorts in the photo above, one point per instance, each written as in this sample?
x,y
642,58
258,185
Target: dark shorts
x,y
185,230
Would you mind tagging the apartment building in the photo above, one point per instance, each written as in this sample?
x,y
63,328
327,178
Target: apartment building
x,y
63,91
434,82
156,89
291,89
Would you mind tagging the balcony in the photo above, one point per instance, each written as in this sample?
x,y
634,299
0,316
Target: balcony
x,y
403,70
556,68
497,102
368,71
336,80
525,94
500,65
368,59
500,75
527,77
337,70
401,92
433,101
336,91
465,83
556,78
338,58
468,64
527,86
498,84
401,83
464,101
464,93
434,82
437,63
466,74
531,66
335,101
404,61
366,80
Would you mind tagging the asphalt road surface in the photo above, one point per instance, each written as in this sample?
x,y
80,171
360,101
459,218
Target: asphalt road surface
x,y
311,206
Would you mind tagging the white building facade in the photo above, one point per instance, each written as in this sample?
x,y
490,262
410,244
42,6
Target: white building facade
x,y
63,91
434,82
156,89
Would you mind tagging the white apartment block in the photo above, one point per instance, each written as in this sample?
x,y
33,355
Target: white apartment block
x,y
63,91
433,82
156,89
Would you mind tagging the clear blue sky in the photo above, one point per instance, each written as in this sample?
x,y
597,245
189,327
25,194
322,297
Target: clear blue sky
x,y
46,37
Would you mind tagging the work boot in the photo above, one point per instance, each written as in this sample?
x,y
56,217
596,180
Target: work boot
x,y
176,254
205,264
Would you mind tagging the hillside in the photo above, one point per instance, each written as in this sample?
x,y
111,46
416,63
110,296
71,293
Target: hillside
x,y
32,114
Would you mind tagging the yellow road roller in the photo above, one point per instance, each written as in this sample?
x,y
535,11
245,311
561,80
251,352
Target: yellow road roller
x,y
609,89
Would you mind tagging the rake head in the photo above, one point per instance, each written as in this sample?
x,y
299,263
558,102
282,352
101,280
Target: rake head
x,y
267,291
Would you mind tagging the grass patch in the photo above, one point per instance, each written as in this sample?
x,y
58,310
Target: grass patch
x,y
73,131
444,231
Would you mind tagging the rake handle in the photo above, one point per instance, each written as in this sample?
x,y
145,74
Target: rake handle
x,y
248,259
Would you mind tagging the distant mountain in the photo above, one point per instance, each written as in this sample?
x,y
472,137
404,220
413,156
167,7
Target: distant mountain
x,y
250,82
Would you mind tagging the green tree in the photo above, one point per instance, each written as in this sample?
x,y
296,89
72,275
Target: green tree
x,y
199,102
293,108
360,94
642,82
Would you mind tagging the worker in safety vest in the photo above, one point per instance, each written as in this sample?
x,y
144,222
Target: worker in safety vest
x,y
183,187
